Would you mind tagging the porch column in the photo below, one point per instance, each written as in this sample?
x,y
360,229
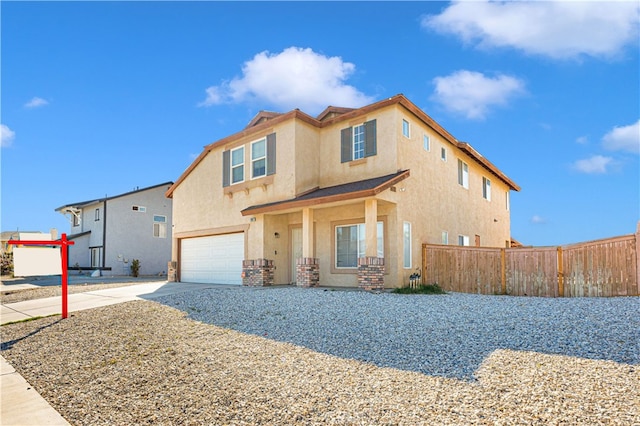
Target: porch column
x,y
371,267
307,267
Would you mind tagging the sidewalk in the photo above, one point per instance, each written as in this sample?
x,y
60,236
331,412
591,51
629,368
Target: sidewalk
x,y
21,403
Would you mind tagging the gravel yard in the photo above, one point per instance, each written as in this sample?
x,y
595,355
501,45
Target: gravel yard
x,y
308,356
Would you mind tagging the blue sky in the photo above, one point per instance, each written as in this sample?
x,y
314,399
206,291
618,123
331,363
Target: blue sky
x,y
101,97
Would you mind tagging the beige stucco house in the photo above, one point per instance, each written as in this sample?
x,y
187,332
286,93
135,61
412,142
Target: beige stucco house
x,y
343,199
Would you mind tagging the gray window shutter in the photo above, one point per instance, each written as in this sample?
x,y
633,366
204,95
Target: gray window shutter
x,y
346,145
271,154
370,146
226,168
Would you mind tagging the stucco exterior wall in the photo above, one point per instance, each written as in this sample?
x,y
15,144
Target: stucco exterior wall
x,y
309,156
433,201
130,233
333,172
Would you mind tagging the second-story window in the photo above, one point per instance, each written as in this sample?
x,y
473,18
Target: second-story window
x,y
405,129
486,189
258,158
237,165
463,174
97,215
358,142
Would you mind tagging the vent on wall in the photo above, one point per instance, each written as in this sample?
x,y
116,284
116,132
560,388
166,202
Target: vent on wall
x,y
140,209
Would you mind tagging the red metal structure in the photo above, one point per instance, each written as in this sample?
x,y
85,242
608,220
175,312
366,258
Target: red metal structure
x,y
63,243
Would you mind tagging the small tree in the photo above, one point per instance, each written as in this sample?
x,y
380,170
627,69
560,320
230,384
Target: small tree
x,y
135,267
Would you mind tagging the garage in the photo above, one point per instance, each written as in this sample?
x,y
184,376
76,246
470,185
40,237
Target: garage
x,y
215,259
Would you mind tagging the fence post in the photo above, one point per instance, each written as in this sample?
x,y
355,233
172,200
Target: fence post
x,y
424,264
560,274
503,270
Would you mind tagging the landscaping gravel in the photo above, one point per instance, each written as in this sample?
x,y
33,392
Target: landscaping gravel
x,y
143,362
442,335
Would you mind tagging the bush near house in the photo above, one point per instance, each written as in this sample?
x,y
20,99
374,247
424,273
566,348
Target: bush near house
x,y
7,264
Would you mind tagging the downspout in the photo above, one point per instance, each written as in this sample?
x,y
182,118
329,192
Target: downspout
x,y
104,234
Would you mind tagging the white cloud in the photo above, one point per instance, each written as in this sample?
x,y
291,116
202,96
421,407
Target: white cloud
x,y
582,140
624,138
36,102
472,93
558,29
538,219
596,164
293,78
7,136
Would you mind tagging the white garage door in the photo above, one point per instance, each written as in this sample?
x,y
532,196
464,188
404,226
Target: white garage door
x,y
215,259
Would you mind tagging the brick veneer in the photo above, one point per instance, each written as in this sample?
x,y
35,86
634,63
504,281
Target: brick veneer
x,y
172,271
257,272
371,273
307,272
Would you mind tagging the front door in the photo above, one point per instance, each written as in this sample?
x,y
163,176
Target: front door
x,y
295,252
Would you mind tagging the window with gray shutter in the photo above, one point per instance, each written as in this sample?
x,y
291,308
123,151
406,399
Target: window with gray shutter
x,y
354,145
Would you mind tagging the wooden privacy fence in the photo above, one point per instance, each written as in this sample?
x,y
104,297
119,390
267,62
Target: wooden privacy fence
x,y
597,268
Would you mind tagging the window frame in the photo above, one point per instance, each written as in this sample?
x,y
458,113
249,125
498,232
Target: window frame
x,y
443,154
426,143
407,251
382,243
463,174
445,238
232,167
486,188
96,215
463,240
358,153
406,129
262,158
162,230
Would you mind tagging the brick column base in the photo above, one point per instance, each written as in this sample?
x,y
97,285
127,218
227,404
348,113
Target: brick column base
x,y
172,271
307,272
257,272
371,273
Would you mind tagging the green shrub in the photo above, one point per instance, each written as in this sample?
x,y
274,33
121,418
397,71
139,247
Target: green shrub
x,y
135,267
422,289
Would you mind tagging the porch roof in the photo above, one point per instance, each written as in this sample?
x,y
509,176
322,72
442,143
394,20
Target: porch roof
x,y
345,191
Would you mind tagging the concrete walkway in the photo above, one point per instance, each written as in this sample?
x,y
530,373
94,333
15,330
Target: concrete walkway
x,y
21,403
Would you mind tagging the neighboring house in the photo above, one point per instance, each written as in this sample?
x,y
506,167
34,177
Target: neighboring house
x,y
6,236
110,232
346,199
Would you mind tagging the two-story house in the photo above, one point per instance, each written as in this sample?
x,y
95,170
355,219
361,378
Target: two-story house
x,y
343,199
110,232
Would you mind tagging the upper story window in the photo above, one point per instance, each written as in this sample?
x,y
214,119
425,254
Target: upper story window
x,y
426,143
445,237
463,240
76,220
405,129
97,215
486,189
443,154
463,174
263,161
358,141
506,200
237,165
139,209
259,158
